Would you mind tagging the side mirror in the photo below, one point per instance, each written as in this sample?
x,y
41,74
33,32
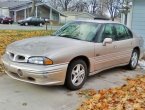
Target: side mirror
x,y
107,41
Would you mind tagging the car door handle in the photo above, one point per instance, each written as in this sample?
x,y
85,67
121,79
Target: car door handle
x,y
115,47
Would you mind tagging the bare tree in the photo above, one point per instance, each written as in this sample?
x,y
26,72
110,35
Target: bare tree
x,y
79,6
93,5
113,7
64,4
54,3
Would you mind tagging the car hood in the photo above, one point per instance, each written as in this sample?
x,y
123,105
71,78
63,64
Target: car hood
x,y
22,20
40,46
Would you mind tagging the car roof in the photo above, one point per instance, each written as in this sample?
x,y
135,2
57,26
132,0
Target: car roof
x,y
99,21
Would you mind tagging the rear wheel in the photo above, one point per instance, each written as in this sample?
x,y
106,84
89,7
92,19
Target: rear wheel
x,y
134,59
76,75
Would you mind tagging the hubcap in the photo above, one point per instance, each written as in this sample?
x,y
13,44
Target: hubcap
x,y
134,59
40,24
26,24
78,74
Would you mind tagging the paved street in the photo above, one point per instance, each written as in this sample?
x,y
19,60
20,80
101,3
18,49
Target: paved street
x,y
18,27
16,95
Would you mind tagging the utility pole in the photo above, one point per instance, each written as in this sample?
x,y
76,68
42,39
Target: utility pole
x,y
126,10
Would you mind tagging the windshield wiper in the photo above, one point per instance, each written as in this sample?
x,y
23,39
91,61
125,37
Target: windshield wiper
x,y
64,36
68,36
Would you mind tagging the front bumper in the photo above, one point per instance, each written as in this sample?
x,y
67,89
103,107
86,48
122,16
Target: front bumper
x,y
8,21
35,74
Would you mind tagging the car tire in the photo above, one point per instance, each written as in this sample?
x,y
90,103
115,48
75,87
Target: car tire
x,y
26,24
76,75
134,60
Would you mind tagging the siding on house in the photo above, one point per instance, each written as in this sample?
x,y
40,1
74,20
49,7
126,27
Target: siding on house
x,y
138,17
84,16
4,11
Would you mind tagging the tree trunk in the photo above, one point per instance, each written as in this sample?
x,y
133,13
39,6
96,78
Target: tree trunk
x,y
33,8
112,18
125,21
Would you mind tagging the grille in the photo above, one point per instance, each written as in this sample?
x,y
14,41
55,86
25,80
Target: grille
x,y
17,58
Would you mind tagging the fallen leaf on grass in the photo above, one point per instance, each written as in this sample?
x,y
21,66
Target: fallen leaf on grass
x,y
1,68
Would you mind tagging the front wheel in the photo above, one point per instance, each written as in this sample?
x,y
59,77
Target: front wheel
x,y
40,24
134,60
26,24
76,75
2,22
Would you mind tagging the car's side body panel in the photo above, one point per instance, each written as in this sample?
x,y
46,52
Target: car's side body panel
x,y
62,51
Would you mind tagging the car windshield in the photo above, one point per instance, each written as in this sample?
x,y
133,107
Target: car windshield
x,y
85,31
28,18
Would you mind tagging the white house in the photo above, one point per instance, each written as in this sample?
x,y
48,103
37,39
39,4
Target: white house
x,y
22,9
4,11
136,17
72,15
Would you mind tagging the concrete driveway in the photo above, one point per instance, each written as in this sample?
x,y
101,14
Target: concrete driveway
x,y
16,95
18,27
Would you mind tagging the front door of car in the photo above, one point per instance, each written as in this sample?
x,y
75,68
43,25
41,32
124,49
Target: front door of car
x,y
33,21
105,54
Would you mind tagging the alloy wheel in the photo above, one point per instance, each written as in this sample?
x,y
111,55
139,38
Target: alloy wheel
x,y
78,75
134,59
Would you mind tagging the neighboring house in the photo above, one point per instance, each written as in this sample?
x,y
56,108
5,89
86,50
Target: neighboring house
x,y
136,17
72,15
22,9
4,11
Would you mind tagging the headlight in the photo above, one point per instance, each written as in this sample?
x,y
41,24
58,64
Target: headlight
x,y
40,61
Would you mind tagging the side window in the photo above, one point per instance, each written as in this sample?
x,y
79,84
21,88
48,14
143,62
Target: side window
x,y
129,33
121,33
109,32
34,19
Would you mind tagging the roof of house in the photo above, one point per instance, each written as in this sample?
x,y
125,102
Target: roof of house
x,y
13,3
48,5
74,13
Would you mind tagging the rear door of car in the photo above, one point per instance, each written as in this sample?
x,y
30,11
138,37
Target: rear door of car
x,y
105,56
118,52
123,43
